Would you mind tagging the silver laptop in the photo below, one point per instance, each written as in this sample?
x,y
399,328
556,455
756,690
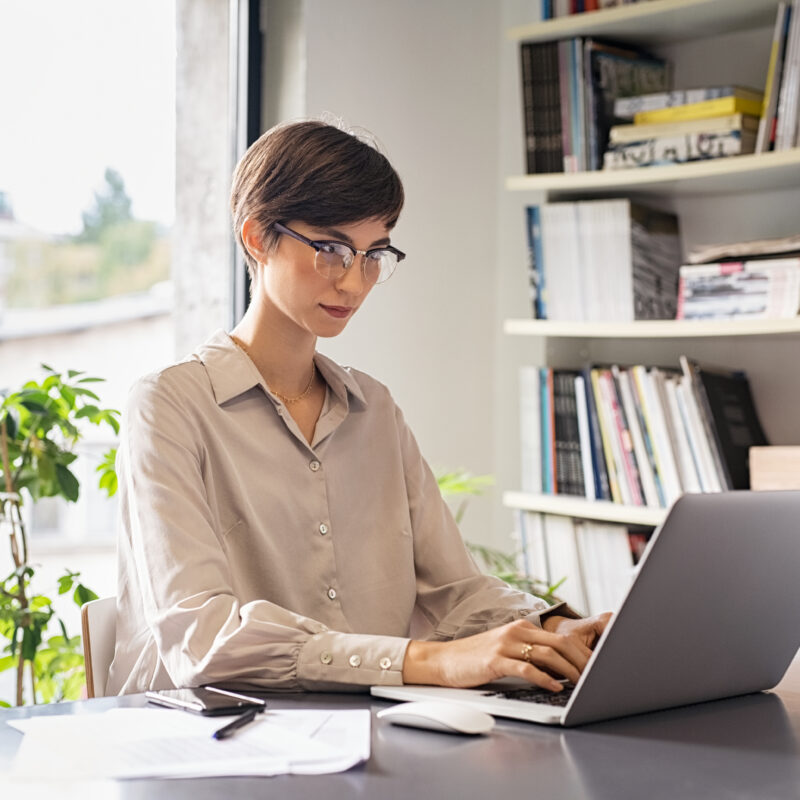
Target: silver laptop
x,y
713,612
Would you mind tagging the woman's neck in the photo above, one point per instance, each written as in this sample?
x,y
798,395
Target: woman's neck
x,y
284,359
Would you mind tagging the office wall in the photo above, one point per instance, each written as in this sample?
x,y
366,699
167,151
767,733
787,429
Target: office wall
x,y
423,78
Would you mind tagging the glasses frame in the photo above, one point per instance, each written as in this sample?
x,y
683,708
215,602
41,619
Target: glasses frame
x,y
318,244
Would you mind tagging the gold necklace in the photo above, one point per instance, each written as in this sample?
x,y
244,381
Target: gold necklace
x,y
282,397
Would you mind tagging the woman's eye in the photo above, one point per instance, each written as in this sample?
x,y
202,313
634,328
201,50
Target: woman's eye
x,y
329,247
376,255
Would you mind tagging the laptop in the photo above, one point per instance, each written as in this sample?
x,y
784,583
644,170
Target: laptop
x,y
713,612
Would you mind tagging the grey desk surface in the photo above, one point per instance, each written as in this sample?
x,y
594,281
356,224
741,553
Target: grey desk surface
x,y
746,747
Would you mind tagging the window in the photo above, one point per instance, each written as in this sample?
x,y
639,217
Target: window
x,y
87,171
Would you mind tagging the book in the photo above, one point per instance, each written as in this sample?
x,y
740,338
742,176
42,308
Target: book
x,y
585,439
602,487
613,72
743,251
679,149
719,107
763,289
536,278
625,134
606,560
787,113
530,429
541,106
725,398
563,560
628,107
774,74
569,467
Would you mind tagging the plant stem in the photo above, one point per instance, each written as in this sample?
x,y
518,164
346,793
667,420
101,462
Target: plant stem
x,y
33,682
20,677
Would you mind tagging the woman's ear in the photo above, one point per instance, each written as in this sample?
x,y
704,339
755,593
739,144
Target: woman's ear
x,y
253,240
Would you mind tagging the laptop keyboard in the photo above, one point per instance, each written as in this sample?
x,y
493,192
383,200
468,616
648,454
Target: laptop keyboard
x,y
535,695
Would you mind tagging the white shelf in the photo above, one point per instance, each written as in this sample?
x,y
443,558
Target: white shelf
x,y
651,329
753,173
655,22
566,506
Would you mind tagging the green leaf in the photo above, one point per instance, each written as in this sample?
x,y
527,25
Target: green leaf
x,y
7,662
85,393
83,595
12,423
92,380
46,367
73,373
67,395
68,482
87,411
65,583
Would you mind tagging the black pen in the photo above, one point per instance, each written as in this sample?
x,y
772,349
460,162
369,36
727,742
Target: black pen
x,y
239,722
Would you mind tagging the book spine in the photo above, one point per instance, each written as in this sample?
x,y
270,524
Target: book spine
x,y
654,416
602,487
707,420
585,439
629,468
718,107
534,267
773,80
604,424
646,476
677,149
530,429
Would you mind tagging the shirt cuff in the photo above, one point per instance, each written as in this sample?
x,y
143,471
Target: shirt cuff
x,y
561,609
335,658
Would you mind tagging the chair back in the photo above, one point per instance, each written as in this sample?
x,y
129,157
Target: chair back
x,y
99,634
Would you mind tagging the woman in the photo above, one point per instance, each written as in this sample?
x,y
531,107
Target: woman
x,y
280,527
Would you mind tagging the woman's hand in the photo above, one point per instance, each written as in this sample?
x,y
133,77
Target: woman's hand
x,y
518,649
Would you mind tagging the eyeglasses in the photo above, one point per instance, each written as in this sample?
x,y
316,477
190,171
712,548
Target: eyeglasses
x,y
333,259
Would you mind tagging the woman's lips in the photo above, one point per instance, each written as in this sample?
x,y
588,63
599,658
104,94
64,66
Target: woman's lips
x,y
340,312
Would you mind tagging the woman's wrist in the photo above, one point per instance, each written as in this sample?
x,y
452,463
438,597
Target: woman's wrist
x,y
421,663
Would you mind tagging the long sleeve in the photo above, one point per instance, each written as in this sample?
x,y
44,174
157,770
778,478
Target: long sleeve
x,y
453,595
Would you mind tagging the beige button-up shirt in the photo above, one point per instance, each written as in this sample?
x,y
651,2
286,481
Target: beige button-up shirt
x,y
248,555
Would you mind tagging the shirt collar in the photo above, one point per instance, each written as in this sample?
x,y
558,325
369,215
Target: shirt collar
x,y
231,372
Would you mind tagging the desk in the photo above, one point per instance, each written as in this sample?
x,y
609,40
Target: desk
x,y
747,747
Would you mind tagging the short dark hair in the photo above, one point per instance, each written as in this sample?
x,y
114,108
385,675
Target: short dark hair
x,y
315,173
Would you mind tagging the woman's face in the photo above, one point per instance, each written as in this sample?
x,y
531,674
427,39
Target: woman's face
x,y
289,283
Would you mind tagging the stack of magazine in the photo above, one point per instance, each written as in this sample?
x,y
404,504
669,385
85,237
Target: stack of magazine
x,y
602,260
684,125
744,280
592,563
638,436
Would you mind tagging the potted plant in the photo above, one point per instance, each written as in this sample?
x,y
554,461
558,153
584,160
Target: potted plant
x,y
39,430
461,484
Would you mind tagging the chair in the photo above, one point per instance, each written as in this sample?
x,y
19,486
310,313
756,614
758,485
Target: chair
x,y
98,632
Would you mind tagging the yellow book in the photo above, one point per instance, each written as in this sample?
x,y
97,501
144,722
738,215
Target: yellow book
x,y
719,107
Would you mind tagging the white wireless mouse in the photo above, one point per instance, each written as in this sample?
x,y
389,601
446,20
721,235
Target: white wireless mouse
x,y
439,716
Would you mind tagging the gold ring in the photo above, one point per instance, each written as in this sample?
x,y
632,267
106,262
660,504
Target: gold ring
x,y
526,652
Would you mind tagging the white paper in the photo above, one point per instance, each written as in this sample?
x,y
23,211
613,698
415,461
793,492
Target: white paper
x,y
147,743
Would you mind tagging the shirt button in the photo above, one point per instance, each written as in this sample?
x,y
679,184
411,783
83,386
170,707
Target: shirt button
x,y
314,466
280,411
332,594
323,528
355,661
326,658
385,663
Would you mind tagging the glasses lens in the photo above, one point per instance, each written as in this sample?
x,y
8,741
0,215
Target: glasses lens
x,y
379,265
333,259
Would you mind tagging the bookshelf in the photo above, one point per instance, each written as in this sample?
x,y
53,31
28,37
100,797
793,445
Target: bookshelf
x,y
655,22
704,192
652,329
565,506
751,173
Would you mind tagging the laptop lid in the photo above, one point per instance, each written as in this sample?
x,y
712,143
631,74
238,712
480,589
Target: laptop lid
x,y
712,612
